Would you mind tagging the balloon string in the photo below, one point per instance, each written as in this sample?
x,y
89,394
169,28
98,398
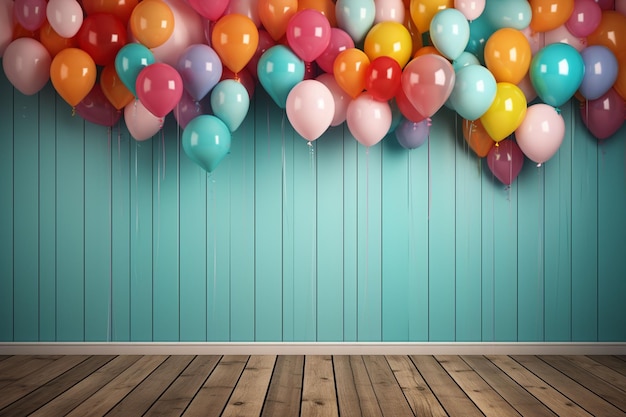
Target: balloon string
x,y
430,193
367,228
110,304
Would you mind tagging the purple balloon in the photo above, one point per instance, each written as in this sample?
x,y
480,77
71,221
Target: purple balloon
x,y
605,115
505,160
600,71
31,14
97,109
412,135
200,68
187,109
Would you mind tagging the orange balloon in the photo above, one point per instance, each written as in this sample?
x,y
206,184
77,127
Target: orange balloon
x,y
611,32
325,7
549,14
119,8
349,71
235,38
423,11
54,42
425,50
508,55
620,83
416,36
152,23
275,15
73,74
113,88
477,137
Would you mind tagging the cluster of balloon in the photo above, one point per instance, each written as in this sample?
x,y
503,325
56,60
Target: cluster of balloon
x,y
505,67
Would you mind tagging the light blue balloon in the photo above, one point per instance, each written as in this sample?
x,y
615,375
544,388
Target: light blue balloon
x,y
279,70
230,102
480,31
514,14
449,31
356,17
129,61
465,59
473,92
206,141
601,69
556,72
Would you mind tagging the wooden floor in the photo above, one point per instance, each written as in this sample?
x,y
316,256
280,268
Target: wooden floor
x,y
129,386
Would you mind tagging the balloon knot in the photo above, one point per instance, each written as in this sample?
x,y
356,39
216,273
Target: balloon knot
x,y
429,121
236,77
558,110
73,111
539,165
309,143
497,144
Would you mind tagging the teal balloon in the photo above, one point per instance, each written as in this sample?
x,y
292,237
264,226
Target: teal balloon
x,y
206,141
473,92
230,102
279,70
449,31
480,31
355,17
129,61
514,14
556,72
465,59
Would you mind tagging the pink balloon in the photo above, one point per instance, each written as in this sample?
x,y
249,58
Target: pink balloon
x,y
607,4
141,124
248,8
187,109
368,119
65,17
26,64
541,132
97,109
427,82
604,116
340,97
159,87
6,24
471,9
527,88
340,40
536,40
31,14
211,10
308,34
389,11
505,161
585,18
563,35
310,108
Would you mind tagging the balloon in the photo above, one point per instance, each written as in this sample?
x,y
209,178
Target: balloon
x,y
536,40
605,115
206,141
310,109
556,72
114,89
244,77
6,24
474,91
356,17
514,14
97,109
562,35
549,14
423,11
396,116
382,78
26,64
349,70
620,83
464,60
187,109
584,19
152,22
339,41
477,137
527,88
449,31
141,124
325,7
73,74
122,9
471,9
129,62
508,55
308,34
619,6
541,133
389,39
265,42
102,35
159,87
31,14
211,10
65,17
506,112
235,39
600,71
340,98
389,11
608,4
406,108
427,81
411,135
505,161
275,15
200,68
248,8
54,42
611,32
480,30
368,120
279,71
230,102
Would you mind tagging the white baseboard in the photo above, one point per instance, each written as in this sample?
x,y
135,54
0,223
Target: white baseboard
x,y
314,348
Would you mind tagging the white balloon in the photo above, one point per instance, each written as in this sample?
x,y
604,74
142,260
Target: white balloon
x,y
389,11
26,64
65,17
310,108
368,120
141,124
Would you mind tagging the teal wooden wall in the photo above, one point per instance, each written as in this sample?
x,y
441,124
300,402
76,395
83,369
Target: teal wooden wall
x,y
103,238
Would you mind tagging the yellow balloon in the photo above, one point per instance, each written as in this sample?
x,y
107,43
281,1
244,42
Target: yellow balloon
x,y
422,11
506,112
390,39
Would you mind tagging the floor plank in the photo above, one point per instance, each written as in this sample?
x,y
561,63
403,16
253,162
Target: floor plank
x,y
215,392
18,366
249,394
419,396
355,394
285,392
390,397
613,362
598,369
319,397
3,357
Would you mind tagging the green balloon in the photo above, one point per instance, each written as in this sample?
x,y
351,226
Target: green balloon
x,y
206,141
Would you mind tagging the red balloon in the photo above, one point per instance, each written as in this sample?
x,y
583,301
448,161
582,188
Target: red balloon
x,y
120,8
159,88
102,35
382,78
604,116
406,108
505,160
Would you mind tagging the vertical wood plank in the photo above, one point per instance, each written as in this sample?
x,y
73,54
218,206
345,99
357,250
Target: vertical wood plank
x,y
292,312
390,397
350,227
488,251
285,390
355,395
249,394
319,396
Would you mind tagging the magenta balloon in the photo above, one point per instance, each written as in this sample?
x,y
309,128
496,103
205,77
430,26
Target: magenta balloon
x,y
97,109
340,40
159,87
605,115
187,109
505,161
585,18
428,81
541,132
211,10
31,14
308,34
